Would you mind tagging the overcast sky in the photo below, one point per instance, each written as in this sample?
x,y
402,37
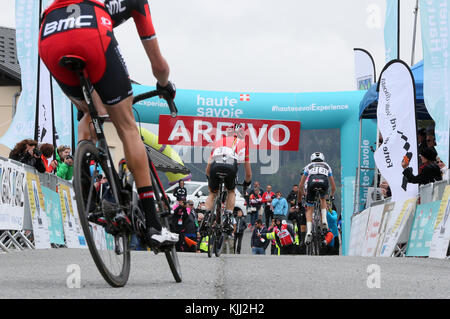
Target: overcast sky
x,y
261,45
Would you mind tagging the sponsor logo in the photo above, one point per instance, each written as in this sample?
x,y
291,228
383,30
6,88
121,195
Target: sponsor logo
x,y
220,106
115,6
68,23
260,134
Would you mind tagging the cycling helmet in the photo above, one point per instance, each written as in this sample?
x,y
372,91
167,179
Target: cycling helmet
x,y
236,129
317,157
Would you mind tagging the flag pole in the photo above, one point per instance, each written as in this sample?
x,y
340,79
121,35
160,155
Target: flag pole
x,y
416,9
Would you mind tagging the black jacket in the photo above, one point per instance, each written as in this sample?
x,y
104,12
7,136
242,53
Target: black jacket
x,y
30,160
241,225
428,173
292,196
180,193
256,240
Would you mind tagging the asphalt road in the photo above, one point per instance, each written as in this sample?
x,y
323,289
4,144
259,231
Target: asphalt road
x,y
43,274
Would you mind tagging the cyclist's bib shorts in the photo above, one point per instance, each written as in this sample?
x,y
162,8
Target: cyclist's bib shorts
x,y
85,30
316,183
230,170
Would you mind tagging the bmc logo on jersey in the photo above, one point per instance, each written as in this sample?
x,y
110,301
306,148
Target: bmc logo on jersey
x,y
81,21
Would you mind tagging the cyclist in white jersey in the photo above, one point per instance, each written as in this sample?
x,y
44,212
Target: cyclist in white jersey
x,y
316,174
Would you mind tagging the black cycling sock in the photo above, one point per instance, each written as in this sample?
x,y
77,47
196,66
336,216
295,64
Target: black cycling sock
x,y
147,198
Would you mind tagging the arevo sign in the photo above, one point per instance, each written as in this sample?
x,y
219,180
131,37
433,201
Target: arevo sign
x,y
202,131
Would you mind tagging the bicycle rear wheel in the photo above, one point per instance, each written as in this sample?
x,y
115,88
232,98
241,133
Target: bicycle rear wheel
x,y
211,233
163,209
111,253
218,236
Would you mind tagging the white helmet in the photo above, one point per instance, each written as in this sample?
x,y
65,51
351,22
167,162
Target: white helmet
x,y
317,157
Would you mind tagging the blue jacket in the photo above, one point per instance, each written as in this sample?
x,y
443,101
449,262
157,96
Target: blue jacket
x,y
280,206
332,224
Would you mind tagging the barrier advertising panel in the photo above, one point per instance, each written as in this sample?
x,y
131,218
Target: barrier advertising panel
x,y
12,189
72,228
38,215
398,225
419,242
372,231
441,234
53,209
357,232
387,211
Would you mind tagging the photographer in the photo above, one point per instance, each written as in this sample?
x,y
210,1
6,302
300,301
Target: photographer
x,y
65,162
47,152
28,153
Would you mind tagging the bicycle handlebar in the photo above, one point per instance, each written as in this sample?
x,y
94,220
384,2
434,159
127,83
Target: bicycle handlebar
x,y
172,107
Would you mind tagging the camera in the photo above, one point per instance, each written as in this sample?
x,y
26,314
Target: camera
x,y
37,152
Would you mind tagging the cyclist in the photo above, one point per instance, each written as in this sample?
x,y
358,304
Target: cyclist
x,y
227,153
316,175
84,28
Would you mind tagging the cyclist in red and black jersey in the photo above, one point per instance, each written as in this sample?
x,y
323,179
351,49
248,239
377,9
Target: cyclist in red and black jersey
x,y
226,155
84,28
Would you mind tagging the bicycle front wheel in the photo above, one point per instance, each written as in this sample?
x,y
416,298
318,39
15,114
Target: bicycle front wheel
x,y
111,253
163,209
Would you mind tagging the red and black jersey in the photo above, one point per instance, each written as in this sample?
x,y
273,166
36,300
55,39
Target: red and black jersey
x,y
120,11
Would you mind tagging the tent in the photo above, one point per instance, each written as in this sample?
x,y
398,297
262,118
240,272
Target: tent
x,y
368,105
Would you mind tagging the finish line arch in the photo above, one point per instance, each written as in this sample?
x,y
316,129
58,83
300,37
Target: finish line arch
x,y
317,110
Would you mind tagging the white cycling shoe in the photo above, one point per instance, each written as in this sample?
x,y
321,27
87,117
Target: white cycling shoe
x,y
163,237
308,238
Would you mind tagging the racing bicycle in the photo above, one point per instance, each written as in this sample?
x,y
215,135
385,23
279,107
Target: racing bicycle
x,y
107,237
317,246
218,224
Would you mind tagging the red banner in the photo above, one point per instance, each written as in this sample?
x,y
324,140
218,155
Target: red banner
x,y
203,131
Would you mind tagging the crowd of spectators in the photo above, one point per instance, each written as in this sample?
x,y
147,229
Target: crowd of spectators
x,y
431,168
44,158
271,221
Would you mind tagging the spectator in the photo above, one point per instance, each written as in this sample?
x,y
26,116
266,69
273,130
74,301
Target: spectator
x,y
332,218
27,152
292,197
385,189
267,198
125,175
241,226
47,152
178,224
180,191
429,171
421,139
443,167
284,236
191,226
292,200
430,141
280,207
258,243
274,249
255,203
64,169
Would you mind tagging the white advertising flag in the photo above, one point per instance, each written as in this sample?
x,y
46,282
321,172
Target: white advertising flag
x,y
396,118
364,69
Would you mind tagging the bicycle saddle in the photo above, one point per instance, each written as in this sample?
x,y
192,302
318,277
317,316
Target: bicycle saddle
x,y
72,62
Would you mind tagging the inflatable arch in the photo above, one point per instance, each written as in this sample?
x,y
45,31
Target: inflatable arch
x,y
329,110
151,140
